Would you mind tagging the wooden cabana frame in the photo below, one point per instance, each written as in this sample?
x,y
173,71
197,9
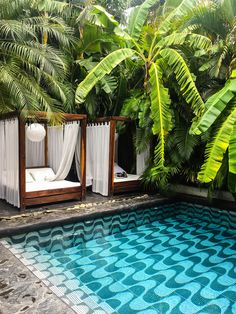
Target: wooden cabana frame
x,y
123,186
52,195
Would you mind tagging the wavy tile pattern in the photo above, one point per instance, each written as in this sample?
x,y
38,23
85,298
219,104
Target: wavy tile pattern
x,y
174,258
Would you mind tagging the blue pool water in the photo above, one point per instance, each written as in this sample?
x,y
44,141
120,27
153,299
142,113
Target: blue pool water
x,y
173,258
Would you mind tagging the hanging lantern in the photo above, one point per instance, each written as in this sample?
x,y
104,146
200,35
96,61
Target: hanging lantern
x,y
35,132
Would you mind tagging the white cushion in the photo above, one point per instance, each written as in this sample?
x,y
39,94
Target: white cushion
x,y
28,176
42,174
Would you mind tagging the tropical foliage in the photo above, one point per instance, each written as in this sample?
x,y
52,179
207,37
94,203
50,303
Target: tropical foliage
x,y
218,119
154,54
33,60
167,64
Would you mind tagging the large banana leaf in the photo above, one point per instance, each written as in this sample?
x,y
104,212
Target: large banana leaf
x,y
171,4
184,78
232,151
100,70
160,112
198,41
194,40
180,11
138,17
216,149
103,16
215,105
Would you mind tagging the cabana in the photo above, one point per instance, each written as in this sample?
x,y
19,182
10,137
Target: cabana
x,y
36,158
104,157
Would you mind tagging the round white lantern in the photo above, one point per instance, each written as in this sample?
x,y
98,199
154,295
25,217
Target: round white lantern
x,y
35,132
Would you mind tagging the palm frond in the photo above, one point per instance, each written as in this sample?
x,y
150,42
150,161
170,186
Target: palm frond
x,y
48,58
15,30
185,142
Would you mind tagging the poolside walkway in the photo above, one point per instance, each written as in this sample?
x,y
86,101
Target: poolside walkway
x,y
57,214
22,292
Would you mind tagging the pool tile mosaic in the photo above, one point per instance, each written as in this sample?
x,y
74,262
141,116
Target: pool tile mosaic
x,y
174,258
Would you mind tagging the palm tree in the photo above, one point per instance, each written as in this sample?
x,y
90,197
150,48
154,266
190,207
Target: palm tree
x,y
33,65
154,53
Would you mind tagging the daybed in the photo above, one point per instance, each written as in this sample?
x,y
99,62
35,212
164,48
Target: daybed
x,y
33,173
103,157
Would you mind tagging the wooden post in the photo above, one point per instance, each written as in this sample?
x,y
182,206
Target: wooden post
x,y
111,157
46,146
22,180
83,125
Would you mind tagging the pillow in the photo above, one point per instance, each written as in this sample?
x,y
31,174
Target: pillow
x,y
28,176
42,174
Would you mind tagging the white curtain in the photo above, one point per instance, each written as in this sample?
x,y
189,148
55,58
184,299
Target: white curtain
x,y
97,165
34,152
68,150
77,153
2,161
116,147
55,146
142,157
12,162
89,154
142,161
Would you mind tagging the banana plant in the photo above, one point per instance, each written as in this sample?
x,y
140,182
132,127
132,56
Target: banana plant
x,y
156,50
220,118
217,21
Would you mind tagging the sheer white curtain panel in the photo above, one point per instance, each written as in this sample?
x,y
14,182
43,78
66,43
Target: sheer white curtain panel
x,y
77,154
12,162
55,146
142,161
89,154
100,150
142,157
2,161
68,150
34,152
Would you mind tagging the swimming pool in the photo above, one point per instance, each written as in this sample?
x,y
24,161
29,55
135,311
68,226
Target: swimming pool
x,y
171,258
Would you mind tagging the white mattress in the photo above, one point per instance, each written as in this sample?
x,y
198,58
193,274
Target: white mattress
x,y
131,177
45,185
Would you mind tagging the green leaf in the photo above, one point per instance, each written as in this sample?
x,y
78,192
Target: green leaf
x,y
103,16
195,41
109,84
100,70
198,41
215,105
180,11
185,142
216,149
160,112
138,17
232,151
184,78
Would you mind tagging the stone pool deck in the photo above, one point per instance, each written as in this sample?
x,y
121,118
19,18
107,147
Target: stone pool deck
x,y
20,290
